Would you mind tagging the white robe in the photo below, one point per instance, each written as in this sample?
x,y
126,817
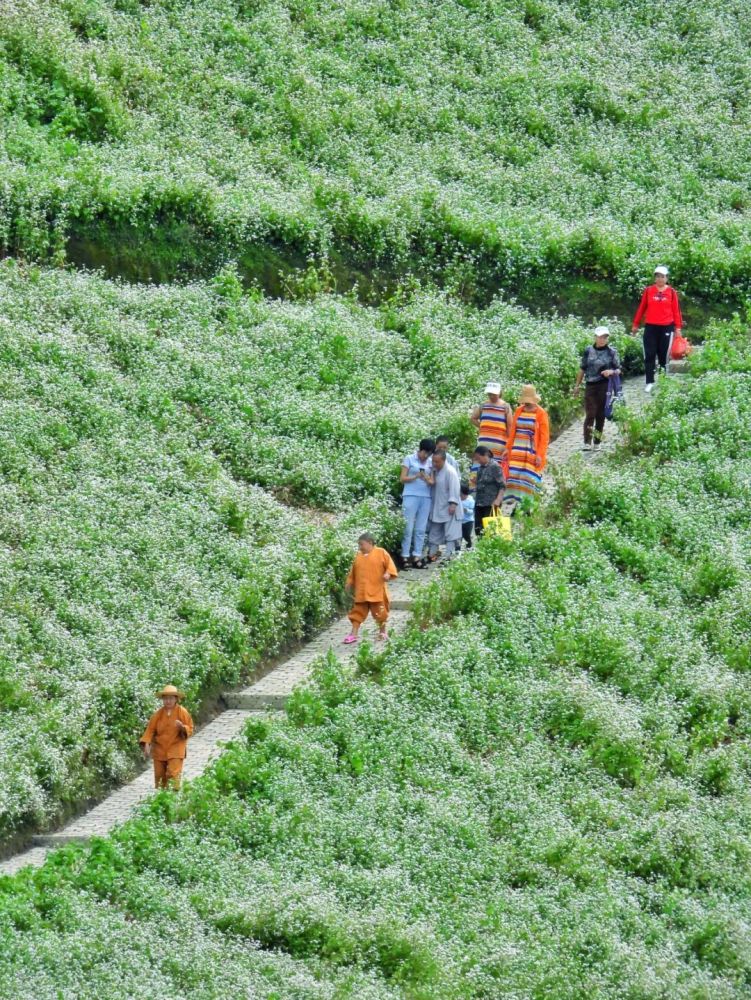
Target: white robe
x,y
447,490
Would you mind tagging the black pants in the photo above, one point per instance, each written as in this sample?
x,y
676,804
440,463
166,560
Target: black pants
x,y
467,533
594,409
657,340
480,513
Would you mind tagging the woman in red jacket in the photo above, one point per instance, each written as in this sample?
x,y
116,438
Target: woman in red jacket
x,y
661,311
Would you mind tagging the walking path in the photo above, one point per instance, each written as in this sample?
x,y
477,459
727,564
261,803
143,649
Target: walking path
x,y
270,693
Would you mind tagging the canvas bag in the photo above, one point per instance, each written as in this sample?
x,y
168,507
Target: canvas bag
x,y
497,525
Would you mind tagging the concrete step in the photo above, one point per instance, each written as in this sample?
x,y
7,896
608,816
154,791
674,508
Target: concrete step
x,y
401,603
60,839
250,701
34,857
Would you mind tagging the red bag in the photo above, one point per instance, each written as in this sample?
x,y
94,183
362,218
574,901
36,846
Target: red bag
x,y
680,348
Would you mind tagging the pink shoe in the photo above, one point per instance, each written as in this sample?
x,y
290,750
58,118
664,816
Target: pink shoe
x,y
348,639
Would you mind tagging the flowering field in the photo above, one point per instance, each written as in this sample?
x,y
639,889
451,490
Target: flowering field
x,y
184,471
543,793
511,139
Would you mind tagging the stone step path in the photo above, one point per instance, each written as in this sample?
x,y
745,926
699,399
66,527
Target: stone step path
x,y
271,692
569,442
265,696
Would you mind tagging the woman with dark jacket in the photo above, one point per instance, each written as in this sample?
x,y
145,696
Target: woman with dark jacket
x,y
489,486
598,363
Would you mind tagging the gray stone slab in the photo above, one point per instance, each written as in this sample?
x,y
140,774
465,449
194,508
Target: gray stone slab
x,y
34,857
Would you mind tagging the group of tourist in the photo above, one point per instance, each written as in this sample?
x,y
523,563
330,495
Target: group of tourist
x,y
508,460
440,510
507,465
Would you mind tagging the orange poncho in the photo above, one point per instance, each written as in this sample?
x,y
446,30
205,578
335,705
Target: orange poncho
x,y
366,576
168,740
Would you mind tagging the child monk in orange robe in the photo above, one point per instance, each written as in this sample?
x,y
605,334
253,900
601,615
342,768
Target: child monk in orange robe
x,y
371,570
166,738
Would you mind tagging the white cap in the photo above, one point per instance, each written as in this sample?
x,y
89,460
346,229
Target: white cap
x,y
493,389
661,269
602,331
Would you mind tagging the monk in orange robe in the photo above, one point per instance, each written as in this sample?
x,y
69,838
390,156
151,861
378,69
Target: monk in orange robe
x,y
371,570
165,739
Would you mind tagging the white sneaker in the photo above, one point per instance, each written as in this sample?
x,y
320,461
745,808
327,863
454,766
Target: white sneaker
x,y
596,447
649,386
586,447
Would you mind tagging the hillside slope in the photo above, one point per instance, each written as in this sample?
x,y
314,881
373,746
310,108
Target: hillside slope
x,y
504,140
184,471
544,792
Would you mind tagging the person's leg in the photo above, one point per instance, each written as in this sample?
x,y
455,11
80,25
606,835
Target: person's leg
x,y
480,513
664,343
600,397
381,616
357,616
436,538
428,528
409,512
590,410
452,546
421,523
650,353
467,533
174,772
160,774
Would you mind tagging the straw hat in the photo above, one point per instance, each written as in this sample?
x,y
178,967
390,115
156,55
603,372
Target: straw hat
x,y
528,394
170,689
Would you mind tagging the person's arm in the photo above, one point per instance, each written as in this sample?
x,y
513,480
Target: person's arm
x,y
184,724
476,416
404,476
677,318
542,439
148,736
511,427
580,373
615,365
498,478
349,583
640,311
454,490
390,572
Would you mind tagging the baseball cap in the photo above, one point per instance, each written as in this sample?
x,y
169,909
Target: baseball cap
x,y
493,388
661,269
602,331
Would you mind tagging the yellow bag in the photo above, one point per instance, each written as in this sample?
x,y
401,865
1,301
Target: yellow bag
x,y
497,525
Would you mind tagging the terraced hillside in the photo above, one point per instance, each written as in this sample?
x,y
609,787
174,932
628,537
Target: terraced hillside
x,y
540,789
490,141
184,473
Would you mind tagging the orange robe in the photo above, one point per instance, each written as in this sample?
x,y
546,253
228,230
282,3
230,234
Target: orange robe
x,y
366,577
168,741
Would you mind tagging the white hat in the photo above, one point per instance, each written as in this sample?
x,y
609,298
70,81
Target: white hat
x,y
493,389
602,331
661,269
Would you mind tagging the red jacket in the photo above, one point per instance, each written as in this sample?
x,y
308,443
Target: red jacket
x,y
659,306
